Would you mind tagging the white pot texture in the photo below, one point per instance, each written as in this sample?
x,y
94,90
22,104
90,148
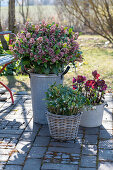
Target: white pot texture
x,y
39,85
92,117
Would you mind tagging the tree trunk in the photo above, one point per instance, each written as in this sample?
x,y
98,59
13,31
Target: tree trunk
x,y
3,41
11,18
24,12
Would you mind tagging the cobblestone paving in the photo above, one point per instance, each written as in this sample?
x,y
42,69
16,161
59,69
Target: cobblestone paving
x,y
28,146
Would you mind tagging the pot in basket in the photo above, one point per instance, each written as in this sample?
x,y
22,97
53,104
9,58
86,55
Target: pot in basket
x,y
63,116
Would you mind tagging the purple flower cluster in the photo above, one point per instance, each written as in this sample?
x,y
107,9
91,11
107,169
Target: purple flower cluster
x,y
46,46
94,89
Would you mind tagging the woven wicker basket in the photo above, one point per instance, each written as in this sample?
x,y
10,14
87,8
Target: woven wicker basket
x,y
63,127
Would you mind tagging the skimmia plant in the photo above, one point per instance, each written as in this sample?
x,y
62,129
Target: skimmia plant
x,y
46,48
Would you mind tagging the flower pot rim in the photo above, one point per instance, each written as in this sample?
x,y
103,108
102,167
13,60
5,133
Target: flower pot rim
x,y
66,116
44,75
97,105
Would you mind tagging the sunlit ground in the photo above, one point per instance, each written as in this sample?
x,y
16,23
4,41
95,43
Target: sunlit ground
x,y
97,56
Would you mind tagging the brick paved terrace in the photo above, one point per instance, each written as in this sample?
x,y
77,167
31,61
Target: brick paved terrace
x,y
28,146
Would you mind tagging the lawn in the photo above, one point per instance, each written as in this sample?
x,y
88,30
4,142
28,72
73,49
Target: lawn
x,y
97,56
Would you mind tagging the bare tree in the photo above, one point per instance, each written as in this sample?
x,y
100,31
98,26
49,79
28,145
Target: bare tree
x,y
65,18
23,9
3,41
39,11
98,16
11,18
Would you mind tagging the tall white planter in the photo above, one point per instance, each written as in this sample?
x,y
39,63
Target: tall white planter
x,y
39,85
92,117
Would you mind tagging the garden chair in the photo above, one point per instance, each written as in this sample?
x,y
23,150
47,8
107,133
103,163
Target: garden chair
x,y
4,61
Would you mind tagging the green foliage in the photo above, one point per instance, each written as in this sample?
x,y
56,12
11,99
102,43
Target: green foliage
x,y
1,50
63,100
12,69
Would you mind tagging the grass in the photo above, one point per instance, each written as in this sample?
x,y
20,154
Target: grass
x,y
17,83
96,57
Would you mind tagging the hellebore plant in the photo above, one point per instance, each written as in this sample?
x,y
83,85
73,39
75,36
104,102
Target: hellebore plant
x,y
93,90
46,48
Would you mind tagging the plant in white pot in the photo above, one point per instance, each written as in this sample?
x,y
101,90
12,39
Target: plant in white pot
x,y
64,111
94,91
45,49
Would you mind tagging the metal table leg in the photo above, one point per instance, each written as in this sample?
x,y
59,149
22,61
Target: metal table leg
x,y
5,85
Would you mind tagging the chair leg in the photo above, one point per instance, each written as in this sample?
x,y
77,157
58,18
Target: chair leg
x,y
9,91
4,67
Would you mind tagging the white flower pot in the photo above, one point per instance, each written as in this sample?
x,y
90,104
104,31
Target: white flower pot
x,y
92,117
39,85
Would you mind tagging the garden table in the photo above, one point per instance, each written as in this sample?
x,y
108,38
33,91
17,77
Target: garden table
x,y
5,32
4,61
